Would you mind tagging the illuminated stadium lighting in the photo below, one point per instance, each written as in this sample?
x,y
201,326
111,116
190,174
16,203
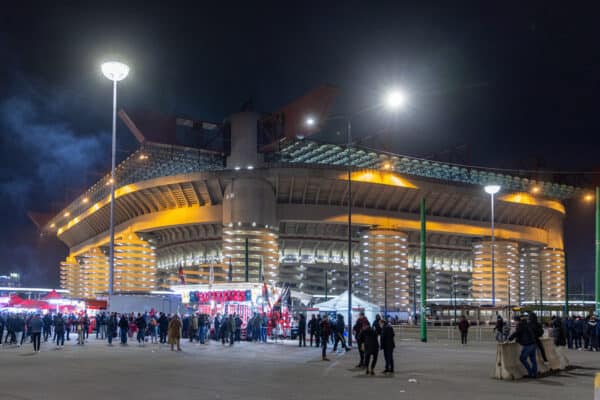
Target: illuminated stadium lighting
x,y
250,167
114,70
310,121
85,200
492,189
396,99
237,167
66,214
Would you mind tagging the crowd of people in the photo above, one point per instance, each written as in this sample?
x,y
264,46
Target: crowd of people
x,y
161,328
370,339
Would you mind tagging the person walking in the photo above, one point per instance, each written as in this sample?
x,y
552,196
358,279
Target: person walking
x,y
387,345
174,332
325,332
238,327
80,330
193,327
578,328
111,328
36,325
361,324
163,327
463,327
318,334
59,331
339,333
525,336
140,323
123,329
371,344
232,329
47,330
302,331
312,328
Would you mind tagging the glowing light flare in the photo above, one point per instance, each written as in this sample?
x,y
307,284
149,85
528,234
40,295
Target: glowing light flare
x,y
396,99
492,189
115,70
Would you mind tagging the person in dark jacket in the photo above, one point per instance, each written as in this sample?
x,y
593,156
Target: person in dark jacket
x,y
498,329
140,322
163,327
538,331
463,327
59,330
578,328
302,331
369,337
124,327
570,331
312,328
36,325
387,345
339,333
47,326
111,328
325,332
361,324
526,338
558,332
592,334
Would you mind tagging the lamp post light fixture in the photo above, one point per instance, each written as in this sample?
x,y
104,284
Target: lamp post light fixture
x,y
492,190
393,101
115,71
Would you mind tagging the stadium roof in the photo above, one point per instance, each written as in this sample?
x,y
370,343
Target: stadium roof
x,y
310,152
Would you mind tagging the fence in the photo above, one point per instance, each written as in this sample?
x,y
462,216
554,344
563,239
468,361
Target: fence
x,y
481,333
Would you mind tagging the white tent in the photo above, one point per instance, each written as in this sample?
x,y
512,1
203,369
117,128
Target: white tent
x,y
340,305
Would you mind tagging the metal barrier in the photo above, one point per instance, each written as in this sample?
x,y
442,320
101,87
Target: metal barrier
x,y
481,333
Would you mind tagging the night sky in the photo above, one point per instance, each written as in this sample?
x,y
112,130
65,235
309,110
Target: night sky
x,y
509,84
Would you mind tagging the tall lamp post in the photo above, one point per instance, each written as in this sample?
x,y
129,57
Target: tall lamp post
x,y
492,190
394,100
115,71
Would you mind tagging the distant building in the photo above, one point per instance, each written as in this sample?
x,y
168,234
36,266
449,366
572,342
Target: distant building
x,y
13,279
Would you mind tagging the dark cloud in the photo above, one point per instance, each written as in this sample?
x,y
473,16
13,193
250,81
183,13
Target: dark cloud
x,y
44,161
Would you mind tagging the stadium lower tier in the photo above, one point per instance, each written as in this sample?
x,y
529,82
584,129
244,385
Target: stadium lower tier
x,y
386,265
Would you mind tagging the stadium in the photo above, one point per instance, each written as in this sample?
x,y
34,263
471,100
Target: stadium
x,y
254,198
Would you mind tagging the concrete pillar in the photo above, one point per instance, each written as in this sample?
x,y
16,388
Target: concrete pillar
x,y
249,213
244,141
384,257
505,267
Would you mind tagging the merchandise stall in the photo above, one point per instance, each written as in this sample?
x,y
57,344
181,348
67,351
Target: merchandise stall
x,y
241,298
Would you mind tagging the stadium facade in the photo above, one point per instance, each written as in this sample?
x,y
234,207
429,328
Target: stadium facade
x,y
251,208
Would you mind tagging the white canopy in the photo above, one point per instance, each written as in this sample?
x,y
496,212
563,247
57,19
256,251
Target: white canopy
x,y
340,304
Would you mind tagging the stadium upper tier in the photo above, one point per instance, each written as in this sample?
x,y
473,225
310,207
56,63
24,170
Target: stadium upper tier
x,y
155,160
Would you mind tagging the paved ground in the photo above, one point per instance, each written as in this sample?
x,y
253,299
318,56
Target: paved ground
x,y
272,371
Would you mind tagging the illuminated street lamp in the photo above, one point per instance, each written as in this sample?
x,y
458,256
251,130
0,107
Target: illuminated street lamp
x,y
115,71
394,100
492,190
